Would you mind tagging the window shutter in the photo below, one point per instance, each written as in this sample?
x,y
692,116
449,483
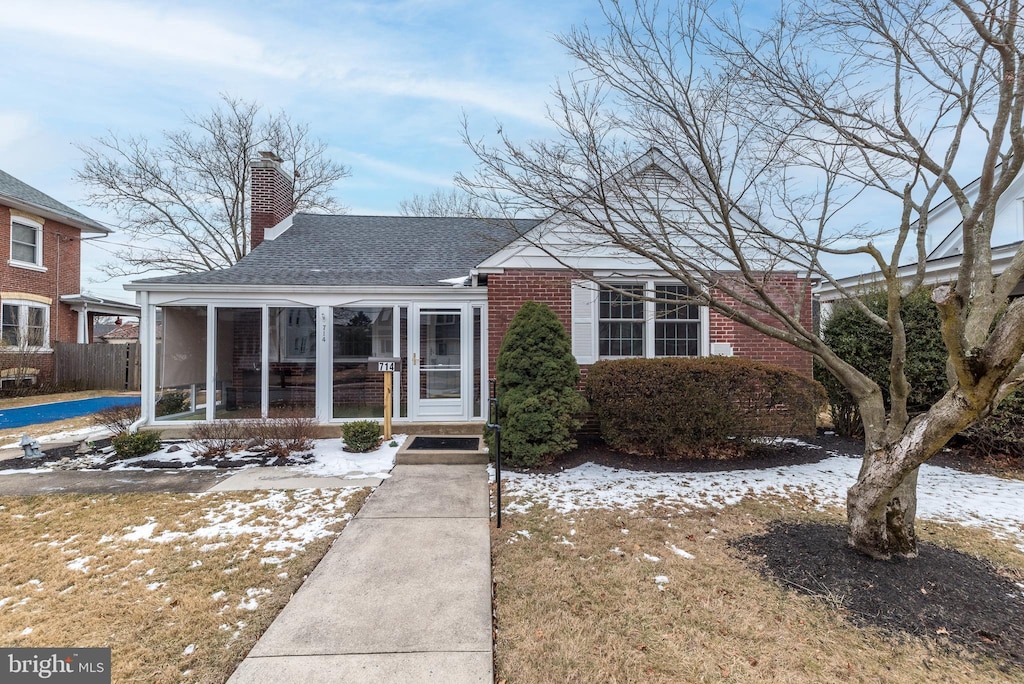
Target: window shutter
x,y
584,323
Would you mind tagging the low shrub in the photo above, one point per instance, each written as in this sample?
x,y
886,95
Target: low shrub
x,y
361,436
278,436
285,436
213,440
132,444
1002,432
117,419
677,407
172,403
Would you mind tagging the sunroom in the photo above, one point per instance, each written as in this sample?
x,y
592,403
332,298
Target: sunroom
x,y
289,330
277,357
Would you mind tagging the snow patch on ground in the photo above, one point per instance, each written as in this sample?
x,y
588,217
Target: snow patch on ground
x,y
81,564
679,552
299,517
944,494
329,459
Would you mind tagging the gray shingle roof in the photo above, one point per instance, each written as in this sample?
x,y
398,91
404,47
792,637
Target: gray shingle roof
x,y
14,189
364,250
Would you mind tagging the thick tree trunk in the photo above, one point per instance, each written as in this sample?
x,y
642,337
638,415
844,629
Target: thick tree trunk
x,y
882,505
881,524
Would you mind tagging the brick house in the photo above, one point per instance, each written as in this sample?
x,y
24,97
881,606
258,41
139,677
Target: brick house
x,y
289,328
39,278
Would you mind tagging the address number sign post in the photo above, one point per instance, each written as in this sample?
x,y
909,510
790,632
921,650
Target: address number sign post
x,y
388,366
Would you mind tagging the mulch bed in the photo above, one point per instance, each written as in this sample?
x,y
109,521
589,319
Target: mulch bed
x,y
592,449
53,456
942,594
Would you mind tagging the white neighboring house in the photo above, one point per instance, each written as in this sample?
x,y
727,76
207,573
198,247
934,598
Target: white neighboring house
x,y
943,260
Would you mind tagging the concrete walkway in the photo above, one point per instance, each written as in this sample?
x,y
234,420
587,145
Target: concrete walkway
x,y
403,595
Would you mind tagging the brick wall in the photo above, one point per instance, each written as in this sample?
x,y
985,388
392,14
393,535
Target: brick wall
x,y
751,344
508,291
272,200
62,257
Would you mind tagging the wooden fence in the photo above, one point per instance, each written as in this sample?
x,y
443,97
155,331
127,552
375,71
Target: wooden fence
x,y
98,366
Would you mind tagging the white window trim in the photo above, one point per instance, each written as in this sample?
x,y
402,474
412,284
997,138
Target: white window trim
x,y
23,306
645,320
650,318
36,265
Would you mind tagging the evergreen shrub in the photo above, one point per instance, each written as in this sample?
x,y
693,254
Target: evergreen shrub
x,y
361,436
867,347
539,405
688,407
132,444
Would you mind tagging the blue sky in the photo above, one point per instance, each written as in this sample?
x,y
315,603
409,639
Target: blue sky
x,y
385,83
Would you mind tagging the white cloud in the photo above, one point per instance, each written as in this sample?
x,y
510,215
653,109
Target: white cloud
x,y
129,30
15,126
395,170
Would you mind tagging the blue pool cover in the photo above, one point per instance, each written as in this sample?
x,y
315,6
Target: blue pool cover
x,y
46,413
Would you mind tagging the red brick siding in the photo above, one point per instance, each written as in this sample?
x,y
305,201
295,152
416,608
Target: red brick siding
x,y
751,344
59,241
508,291
271,199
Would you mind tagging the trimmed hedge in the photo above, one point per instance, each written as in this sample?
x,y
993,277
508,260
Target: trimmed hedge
x,y
538,403
675,407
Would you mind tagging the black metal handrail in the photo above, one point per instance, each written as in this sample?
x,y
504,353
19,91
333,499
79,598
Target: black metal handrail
x,y
492,424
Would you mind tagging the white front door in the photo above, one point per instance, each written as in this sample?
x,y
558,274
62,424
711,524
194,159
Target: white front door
x,y
439,352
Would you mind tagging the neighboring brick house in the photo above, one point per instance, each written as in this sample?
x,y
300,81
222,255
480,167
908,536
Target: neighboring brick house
x,y
42,239
288,329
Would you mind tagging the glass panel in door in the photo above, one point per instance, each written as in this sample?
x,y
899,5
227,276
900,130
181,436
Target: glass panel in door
x,y
440,355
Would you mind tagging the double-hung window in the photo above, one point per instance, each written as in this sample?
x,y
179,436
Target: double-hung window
x,y
621,320
24,325
676,323
647,319
26,243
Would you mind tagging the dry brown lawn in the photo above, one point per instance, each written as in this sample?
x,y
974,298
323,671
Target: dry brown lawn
x,y
179,586
601,597
15,402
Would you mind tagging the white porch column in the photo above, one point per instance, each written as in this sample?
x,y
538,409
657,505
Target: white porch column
x,y
147,347
83,325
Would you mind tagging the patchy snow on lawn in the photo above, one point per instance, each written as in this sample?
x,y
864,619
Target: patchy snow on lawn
x,y
944,494
278,521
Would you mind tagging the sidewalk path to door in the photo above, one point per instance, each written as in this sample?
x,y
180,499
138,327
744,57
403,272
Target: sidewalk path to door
x,y
403,595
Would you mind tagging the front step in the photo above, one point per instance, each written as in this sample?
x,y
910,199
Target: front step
x,y
441,456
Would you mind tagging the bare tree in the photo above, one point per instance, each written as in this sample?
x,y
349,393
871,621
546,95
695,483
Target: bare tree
x,y
454,202
769,141
184,200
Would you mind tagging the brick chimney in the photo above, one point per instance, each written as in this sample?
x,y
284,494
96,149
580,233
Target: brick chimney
x,y
271,196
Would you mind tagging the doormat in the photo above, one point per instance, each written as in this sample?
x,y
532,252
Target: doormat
x,y
446,443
